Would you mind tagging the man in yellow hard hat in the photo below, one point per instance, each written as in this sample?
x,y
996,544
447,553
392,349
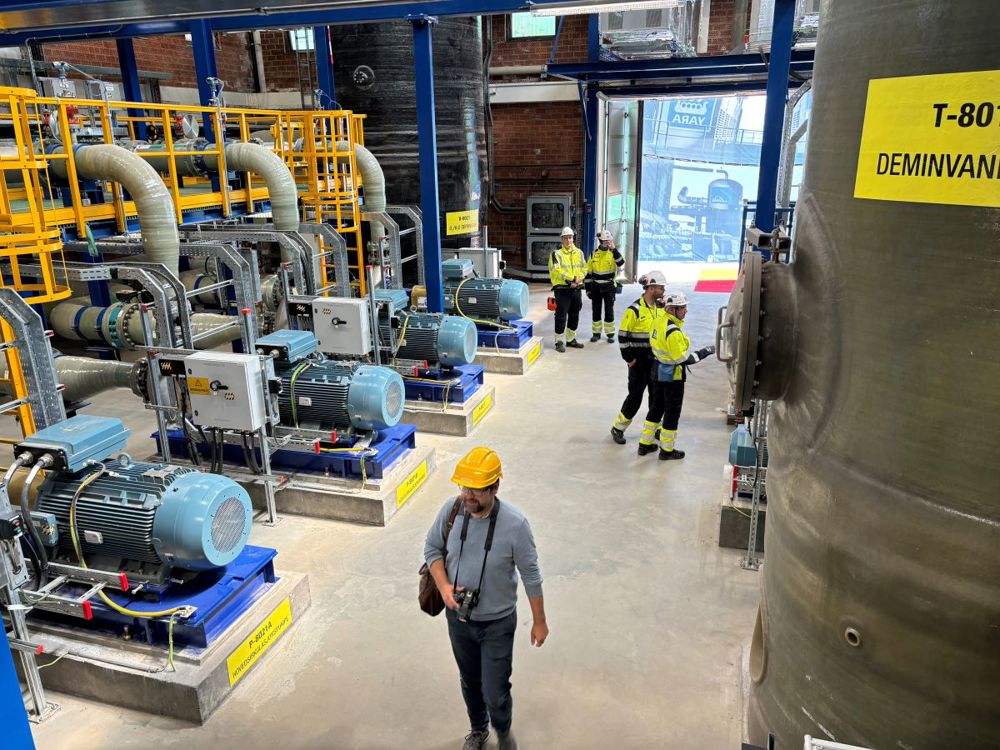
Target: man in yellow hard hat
x,y
474,561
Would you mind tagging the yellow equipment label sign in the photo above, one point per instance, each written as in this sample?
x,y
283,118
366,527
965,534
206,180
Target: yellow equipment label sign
x,y
259,641
932,139
480,411
536,350
461,222
198,387
411,484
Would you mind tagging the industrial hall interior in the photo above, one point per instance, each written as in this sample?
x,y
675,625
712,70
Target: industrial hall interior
x,y
500,375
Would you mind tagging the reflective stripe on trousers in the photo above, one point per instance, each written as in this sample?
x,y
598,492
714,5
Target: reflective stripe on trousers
x,y
667,440
649,432
622,422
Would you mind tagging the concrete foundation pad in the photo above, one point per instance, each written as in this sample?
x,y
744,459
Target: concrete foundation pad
x,y
135,675
511,361
345,500
734,525
455,419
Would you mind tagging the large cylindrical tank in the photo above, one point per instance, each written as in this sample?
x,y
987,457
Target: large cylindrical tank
x,y
144,517
446,340
880,614
338,395
373,68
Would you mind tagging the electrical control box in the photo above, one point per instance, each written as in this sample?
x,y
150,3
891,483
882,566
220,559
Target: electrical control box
x,y
342,326
76,442
286,345
226,390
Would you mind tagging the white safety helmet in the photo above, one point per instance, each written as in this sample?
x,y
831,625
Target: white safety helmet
x,y
604,236
653,278
568,231
674,299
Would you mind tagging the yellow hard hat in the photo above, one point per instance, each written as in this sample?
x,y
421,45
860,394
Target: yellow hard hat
x,y
478,468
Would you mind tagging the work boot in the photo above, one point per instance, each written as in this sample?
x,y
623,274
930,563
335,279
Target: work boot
x,y
475,740
618,436
507,741
574,344
611,338
596,337
560,346
674,455
646,449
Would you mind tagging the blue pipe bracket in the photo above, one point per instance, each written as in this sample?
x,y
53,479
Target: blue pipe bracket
x,y
423,60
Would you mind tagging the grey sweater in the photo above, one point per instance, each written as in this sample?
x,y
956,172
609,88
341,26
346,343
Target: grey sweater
x,y
513,546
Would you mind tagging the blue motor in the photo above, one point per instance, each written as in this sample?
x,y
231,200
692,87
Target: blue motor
x,y
492,300
327,394
143,518
445,340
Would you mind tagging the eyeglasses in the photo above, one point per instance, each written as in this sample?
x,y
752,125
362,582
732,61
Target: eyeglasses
x,y
473,491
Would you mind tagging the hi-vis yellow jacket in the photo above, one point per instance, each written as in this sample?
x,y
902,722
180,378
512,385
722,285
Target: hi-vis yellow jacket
x,y
671,348
565,265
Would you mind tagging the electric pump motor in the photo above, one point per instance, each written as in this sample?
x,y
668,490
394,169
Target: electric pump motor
x,y
488,299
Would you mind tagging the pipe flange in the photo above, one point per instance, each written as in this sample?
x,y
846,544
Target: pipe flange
x,y
755,336
138,379
121,325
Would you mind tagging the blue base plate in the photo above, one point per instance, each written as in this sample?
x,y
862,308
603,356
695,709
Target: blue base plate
x,y
457,386
503,339
389,445
221,597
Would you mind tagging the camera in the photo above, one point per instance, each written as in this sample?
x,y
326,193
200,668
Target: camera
x,y
467,601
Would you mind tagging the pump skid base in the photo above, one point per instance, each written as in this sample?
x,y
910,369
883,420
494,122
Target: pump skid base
x,y
490,338
454,419
134,675
511,361
316,495
458,386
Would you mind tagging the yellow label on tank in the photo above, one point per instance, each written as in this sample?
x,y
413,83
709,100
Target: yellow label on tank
x,y
932,139
198,386
461,222
480,411
536,350
259,641
411,484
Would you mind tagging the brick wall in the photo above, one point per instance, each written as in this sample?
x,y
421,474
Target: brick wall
x,y
167,54
280,69
721,20
538,148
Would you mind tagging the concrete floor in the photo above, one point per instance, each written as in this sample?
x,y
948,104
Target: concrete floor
x,y
648,617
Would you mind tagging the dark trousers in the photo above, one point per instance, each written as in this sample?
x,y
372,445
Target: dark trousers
x,y
603,296
568,305
484,652
665,402
638,384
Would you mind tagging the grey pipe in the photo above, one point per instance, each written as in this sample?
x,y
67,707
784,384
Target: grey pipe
x,y
373,180
203,322
281,188
153,203
84,377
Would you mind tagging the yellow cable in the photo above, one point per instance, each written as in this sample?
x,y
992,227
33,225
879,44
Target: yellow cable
x,y
402,337
291,396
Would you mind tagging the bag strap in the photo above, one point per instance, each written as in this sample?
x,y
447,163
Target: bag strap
x,y
489,540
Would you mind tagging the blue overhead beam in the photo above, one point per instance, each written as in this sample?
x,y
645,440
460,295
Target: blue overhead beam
x,y
774,113
693,67
372,12
423,65
719,88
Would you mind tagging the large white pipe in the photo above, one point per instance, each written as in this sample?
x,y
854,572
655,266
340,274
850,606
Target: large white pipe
x,y
85,377
153,203
373,180
280,185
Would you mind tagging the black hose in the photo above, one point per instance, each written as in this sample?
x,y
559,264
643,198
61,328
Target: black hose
x,y
248,457
43,558
35,560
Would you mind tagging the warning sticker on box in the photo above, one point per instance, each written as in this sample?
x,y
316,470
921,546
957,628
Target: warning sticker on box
x,y
932,139
411,484
259,641
198,386
461,222
481,410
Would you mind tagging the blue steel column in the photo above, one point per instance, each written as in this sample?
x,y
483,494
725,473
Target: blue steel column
x,y
130,81
13,718
324,66
205,67
591,130
774,112
423,62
